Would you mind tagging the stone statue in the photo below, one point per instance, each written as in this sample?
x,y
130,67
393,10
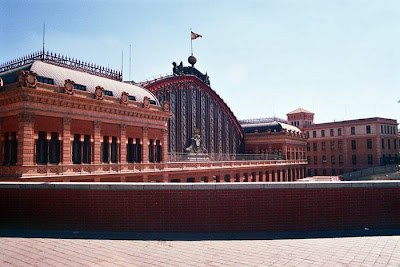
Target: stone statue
x,y
196,145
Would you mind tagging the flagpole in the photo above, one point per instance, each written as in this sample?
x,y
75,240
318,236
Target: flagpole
x,y
191,42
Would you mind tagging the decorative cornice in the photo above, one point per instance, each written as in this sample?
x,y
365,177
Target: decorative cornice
x,y
81,103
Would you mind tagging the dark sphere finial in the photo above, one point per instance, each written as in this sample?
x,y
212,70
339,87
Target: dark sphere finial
x,y
192,60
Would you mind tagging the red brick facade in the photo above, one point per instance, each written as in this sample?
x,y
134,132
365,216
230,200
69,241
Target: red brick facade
x,y
201,207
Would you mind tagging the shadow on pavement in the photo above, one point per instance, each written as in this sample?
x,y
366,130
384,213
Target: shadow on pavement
x,y
191,236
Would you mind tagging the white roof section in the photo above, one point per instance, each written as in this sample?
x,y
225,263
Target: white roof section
x,y
60,74
289,127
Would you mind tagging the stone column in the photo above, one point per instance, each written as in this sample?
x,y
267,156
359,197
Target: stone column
x,y
97,142
145,146
123,142
26,145
257,177
276,175
285,151
164,146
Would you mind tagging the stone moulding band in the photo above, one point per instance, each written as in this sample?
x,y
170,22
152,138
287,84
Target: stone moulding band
x,y
198,186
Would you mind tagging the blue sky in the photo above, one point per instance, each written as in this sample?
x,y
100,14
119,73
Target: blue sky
x,y
339,59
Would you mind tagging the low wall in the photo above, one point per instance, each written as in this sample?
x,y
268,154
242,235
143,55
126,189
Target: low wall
x,y
244,207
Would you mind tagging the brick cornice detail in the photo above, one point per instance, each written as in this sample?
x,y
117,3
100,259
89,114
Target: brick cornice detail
x,y
81,103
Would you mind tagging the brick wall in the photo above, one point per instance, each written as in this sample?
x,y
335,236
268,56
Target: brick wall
x,y
200,207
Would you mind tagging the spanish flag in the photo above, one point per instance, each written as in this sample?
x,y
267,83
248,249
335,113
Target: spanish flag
x,y
194,35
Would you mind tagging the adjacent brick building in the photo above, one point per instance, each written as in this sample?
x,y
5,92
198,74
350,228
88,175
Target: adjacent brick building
x,y
335,148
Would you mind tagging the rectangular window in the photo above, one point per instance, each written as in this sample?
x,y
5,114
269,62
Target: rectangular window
x,y
353,130
79,87
353,144
333,161
332,145
114,149
368,129
324,172
314,134
388,143
151,150
315,160
340,145
322,133
381,128
308,147
315,146
158,151
107,92
370,159
354,159
331,132
339,132
54,149
315,172
309,159
138,151
10,148
369,143
87,150
308,134
105,149
333,172
324,159
395,144
323,146
340,159
77,149
42,148
383,143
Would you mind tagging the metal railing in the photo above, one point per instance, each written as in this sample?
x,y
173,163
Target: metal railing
x,y
186,157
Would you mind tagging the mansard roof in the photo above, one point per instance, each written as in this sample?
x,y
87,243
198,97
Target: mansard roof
x,y
274,126
88,76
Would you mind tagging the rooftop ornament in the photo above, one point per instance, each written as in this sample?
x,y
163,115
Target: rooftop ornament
x,y
62,61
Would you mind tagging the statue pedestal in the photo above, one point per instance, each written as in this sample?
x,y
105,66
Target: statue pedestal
x,y
197,157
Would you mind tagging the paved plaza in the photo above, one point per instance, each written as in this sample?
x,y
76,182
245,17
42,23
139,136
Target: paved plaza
x,y
76,249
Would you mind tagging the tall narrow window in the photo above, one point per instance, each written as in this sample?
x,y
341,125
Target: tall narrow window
x,y
331,132
333,160
114,150
322,133
54,149
6,149
353,130
353,145
151,150
14,148
41,148
158,151
314,134
332,145
369,143
105,150
308,147
388,141
138,151
383,143
339,132
370,159
87,150
354,159
323,146
340,145
340,159
368,129
77,149
130,151
315,146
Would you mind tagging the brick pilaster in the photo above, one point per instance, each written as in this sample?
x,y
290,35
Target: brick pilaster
x,y
66,145
123,155
25,147
145,146
97,142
